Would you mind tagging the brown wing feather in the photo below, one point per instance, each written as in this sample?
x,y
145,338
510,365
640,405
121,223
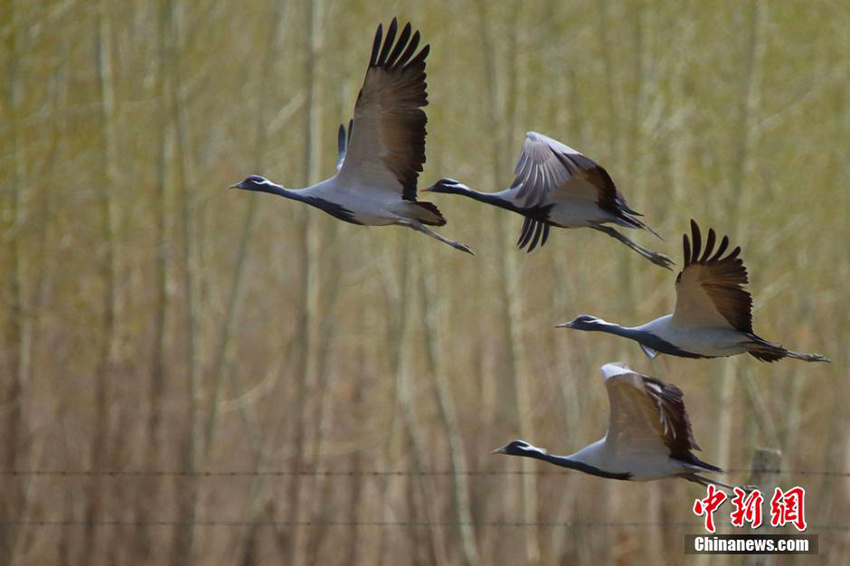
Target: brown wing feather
x,y
390,106
546,166
608,197
673,420
400,82
721,277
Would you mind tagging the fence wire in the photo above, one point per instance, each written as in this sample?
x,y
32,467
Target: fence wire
x,y
352,473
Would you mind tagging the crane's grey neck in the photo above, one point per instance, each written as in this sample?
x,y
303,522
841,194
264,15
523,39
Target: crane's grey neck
x,y
624,331
573,464
641,336
275,189
496,199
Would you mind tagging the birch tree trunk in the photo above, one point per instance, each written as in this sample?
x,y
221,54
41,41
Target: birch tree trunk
x,y
99,456
19,332
310,285
435,313
738,202
148,494
187,488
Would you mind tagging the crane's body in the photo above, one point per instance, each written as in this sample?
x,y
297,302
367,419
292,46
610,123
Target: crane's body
x,y
713,314
556,185
382,154
649,435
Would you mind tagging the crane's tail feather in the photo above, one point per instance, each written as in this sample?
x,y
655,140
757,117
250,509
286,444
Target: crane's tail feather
x,y
766,351
629,221
655,257
429,214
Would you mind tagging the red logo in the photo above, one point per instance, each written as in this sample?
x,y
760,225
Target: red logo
x,y
747,508
788,507
785,507
713,500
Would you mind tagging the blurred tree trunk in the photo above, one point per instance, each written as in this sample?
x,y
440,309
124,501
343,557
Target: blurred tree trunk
x,y
435,316
739,202
19,331
148,494
641,146
394,280
58,106
739,198
324,390
306,371
412,424
835,448
510,289
187,487
567,366
356,481
99,456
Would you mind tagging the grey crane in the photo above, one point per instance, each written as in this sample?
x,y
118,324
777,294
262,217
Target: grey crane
x,y
556,185
379,166
713,314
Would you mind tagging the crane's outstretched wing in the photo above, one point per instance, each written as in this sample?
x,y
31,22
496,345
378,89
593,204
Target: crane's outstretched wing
x,y
550,170
386,149
710,288
646,413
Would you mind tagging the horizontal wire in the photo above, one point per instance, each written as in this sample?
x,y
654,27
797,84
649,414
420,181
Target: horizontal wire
x,y
387,524
325,473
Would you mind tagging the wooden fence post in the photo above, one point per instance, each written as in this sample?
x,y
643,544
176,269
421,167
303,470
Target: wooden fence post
x,y
765,477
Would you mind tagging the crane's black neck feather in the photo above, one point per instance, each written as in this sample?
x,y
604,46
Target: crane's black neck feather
x,y
499,199
567,462
332,208
452,187
644,337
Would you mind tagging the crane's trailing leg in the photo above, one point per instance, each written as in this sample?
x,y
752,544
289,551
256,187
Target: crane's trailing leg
x,y
419,227
705,482
654,257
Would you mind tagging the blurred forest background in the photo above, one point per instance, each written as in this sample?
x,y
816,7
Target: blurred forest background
x,y
153,320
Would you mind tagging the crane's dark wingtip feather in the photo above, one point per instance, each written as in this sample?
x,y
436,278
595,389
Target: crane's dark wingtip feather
x,y
400,45
525,233
376,45
724,243
697,242
388,43
538,229
420,57
709,245
404,58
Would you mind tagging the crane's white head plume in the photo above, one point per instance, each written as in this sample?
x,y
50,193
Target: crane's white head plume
x,y
583,322
255,183
519,448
